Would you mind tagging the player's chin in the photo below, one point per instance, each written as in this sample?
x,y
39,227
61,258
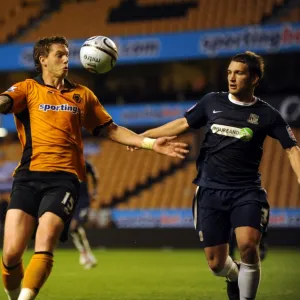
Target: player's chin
x,y
234,91
65,72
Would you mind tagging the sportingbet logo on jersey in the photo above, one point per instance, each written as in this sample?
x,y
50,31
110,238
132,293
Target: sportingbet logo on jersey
x,y
61,107
244,134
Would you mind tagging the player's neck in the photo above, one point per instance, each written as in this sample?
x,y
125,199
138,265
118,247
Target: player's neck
x,y
57,82
247,98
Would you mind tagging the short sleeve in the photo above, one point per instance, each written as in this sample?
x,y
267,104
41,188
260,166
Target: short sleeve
x,y
281,131
96,117
18,94
196,116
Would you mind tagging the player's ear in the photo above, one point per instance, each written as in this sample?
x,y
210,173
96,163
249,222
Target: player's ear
x,y
255,80
43,61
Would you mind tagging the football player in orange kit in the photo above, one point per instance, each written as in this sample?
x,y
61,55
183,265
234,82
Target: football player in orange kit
x,y
49,112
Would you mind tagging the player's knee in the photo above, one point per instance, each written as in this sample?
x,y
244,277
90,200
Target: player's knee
x,y
47,236
249,252
215,264
46,242
11,256
74,225
73,231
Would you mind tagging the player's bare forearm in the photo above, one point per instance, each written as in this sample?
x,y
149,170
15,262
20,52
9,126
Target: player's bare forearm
x,y
294,156
162,145
123,135
172,128
5,104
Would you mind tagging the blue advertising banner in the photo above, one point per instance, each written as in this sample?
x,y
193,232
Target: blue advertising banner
x,y
175,46
148,115
6,170
154,218
182,218
132,115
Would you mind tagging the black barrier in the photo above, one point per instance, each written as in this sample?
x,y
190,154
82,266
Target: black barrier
x,y
170,238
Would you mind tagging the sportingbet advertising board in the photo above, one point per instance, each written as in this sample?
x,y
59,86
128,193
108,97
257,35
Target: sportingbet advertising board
x,y
182,218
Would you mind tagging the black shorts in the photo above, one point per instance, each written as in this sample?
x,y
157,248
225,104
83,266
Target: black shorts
x,y
217,211
55,192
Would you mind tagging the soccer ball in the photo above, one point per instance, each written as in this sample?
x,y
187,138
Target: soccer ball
x,y
98,54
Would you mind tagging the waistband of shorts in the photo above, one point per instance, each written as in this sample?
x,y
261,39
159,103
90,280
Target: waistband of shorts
x,y
26,174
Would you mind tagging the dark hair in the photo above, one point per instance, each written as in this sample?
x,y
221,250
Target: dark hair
x,y
254,62
42,48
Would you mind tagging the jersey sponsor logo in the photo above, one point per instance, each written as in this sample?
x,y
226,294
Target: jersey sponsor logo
x,y
291,133
216,111
61,107
12,88
245,134
226,130
253,119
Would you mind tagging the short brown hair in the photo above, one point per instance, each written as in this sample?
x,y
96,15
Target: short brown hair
x,y
254,62
42,48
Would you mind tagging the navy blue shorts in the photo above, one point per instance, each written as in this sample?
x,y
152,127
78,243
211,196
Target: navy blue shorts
x,y
217,211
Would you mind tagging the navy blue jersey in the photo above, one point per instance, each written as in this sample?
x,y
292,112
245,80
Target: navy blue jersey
x,y
233,145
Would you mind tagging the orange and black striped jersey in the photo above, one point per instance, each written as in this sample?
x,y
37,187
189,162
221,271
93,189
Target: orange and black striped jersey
x,y
49,124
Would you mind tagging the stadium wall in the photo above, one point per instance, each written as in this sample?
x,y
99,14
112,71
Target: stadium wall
x,y
170,238
173,238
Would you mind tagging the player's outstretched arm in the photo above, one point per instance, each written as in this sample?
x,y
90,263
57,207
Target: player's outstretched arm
x,y
172,128
5,104
163,145
294,156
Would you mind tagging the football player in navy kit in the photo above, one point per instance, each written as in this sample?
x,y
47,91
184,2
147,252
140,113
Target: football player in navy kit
x,y
229,193
80,218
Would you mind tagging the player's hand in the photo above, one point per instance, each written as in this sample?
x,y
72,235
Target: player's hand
x,y
164,145
132,148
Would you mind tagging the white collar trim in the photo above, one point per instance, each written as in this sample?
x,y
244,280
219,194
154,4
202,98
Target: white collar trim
x,y
241,103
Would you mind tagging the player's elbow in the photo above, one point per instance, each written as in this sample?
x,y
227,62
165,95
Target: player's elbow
x,y
182,125
111,131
